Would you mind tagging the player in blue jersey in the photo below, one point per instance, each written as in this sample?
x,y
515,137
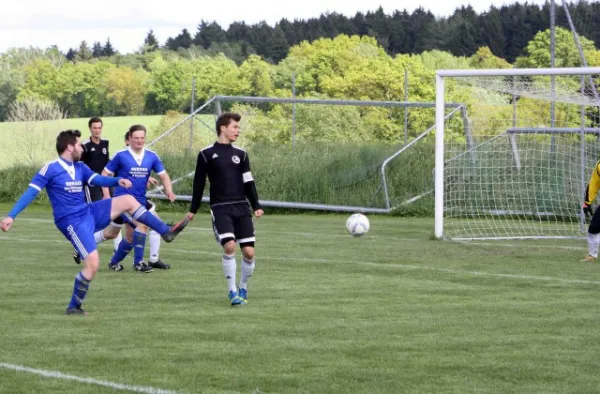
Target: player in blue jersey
x,y
64,179
135,164
114,230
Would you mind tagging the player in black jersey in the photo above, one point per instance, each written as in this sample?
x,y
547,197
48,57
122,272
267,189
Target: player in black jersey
x,y
95,155
232,192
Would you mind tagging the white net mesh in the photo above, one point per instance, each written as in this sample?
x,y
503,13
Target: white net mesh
x,y
316,155
566,90
526,176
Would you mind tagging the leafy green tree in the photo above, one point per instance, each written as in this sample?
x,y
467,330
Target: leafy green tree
x,y
537,52
11,82
169,85
84,53
484,58
256,77
80,88
214,75
41,81
437,59
125,91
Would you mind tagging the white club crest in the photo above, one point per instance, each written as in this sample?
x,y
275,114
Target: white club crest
x,y
235,159
104,150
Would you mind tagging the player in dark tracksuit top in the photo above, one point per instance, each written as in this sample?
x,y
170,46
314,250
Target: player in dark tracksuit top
x,y
96,156
232,196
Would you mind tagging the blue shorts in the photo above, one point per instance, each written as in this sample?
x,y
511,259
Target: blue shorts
x,y
80,230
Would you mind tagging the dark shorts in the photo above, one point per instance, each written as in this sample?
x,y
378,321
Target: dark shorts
x,y
233,222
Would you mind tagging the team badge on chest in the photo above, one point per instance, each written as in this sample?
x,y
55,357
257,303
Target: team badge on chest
x,y
235,159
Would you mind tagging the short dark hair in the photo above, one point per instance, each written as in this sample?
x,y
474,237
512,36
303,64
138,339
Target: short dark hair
x,y
136,127
95,119
126,135
66,138
225,119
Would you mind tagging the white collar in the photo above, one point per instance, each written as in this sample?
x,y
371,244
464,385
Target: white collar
x,y
138,158
69,168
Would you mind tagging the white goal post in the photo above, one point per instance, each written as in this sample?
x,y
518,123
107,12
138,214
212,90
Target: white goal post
x,y
539,137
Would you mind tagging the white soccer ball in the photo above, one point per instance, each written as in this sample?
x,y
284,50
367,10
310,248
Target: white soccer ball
x,y
357,225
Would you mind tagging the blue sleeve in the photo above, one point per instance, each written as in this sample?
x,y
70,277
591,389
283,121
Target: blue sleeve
x,y
25,199
103,181
88,174
113,165
40,180
158,166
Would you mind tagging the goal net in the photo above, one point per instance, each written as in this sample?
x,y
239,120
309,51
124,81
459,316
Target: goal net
x,y
537,139
312,154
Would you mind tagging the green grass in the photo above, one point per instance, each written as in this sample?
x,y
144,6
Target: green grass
x,y
33,143
19,140
389,312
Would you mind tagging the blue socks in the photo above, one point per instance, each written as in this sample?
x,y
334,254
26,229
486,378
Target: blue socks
x,y
143,216
80,289
139,245
122,251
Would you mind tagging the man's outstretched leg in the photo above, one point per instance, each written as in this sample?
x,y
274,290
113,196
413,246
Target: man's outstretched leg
x,y
137,212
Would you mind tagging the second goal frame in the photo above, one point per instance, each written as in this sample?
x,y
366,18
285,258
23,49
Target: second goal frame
x,y
441,75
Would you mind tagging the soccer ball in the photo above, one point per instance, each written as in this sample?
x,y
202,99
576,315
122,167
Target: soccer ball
x,y
357,224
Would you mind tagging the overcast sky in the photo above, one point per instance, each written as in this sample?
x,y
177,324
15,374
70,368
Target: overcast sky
x,y
66,22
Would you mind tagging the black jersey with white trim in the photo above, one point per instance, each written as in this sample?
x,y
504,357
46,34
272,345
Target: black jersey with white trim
x,y
228,170
95,155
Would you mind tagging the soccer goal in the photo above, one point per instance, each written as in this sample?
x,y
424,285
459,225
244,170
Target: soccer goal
x,y
319,154
537,134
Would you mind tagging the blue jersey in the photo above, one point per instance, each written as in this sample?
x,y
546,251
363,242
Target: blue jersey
x,y
64,182
137,168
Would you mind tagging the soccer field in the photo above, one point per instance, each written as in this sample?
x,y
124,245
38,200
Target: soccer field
x,y
392,311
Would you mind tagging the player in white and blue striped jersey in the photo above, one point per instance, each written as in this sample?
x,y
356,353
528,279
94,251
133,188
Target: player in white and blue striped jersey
x,y
77,220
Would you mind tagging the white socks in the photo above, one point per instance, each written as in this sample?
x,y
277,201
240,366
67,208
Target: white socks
x,y
154,240
593,240
247,270
117,241
229,268
99,236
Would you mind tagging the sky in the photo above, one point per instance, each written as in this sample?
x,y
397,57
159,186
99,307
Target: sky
x,y
42,23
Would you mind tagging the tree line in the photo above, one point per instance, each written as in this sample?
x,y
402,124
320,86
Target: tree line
x,y
505,30
349,67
